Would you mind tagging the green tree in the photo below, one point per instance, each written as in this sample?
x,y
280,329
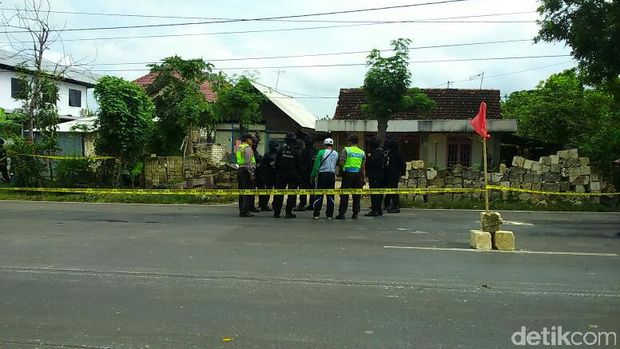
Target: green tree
x,y
387,86
124,120
238,101
592,29
562,113
180,105
10,125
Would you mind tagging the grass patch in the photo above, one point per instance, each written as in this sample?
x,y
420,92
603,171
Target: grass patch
x,y
116,198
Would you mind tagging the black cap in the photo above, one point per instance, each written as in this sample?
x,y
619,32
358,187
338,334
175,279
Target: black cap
x,y
353,139
290,137
246,136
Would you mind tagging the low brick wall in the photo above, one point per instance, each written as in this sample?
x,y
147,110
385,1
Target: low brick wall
x,y
562,172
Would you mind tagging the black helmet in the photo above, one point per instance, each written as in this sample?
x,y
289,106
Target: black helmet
x,y
246,136
290,137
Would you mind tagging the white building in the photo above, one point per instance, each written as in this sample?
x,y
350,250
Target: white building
x,y
73,88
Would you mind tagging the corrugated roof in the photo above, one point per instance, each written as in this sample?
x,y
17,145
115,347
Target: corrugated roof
x,y
451,104
11,61
206,87
289,106
83,125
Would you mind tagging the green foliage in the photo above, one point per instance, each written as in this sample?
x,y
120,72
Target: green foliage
x,y
387,86
239,102
562,113
10,125
29,171
125,119
76,173
180,104
592,29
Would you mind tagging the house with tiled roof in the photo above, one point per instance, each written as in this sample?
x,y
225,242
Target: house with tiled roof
x,y
280,114
442,136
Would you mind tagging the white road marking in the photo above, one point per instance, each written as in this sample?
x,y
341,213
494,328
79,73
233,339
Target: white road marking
x,y
594,254
517,223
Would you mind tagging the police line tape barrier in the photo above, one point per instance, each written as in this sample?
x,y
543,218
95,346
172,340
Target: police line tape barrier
x,y
58,157
236,192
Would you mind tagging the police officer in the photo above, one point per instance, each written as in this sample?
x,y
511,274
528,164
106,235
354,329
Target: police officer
x,y
395,167
246,174
324,171
352,176
376,177
4,163
268,173
308,154
288,166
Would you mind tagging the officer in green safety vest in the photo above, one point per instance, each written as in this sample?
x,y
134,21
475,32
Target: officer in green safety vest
x,y
246,174
353,159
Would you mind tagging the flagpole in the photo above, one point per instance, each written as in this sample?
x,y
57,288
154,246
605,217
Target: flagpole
x,y
486,175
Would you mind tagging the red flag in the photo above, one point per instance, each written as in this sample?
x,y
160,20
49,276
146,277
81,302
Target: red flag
x,y
480,121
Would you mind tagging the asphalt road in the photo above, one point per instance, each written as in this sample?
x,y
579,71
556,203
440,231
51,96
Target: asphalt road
x,y
150,276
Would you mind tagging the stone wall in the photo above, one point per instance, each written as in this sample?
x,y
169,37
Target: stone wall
x,y
194,172
565,171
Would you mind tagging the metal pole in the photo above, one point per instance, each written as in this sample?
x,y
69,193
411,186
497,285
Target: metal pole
x,y
486,175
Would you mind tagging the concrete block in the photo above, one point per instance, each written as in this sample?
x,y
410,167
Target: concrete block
x,y
495,177
564,172
503,169
490,221
545,160
417,165
595,186
504,240
564,186
563,154
574,172
584,161
555,160
408,165
585,170
580,189
573,154
480,240
528,164
536,167
551,177
518,161
431,173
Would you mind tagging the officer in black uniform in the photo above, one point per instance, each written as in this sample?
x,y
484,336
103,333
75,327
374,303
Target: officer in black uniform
x,y
395,167
308,154
268,174
288,166
375,170
4,163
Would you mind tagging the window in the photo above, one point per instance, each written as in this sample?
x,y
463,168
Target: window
x,y
75,98
18,90
459,151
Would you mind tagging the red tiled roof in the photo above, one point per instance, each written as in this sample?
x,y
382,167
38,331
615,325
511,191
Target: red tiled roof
x,y
206,88
450,104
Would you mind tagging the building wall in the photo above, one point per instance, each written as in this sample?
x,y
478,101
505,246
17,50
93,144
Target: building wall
x,y
8,103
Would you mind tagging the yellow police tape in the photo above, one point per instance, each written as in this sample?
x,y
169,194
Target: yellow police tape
x,y
236,192
57,157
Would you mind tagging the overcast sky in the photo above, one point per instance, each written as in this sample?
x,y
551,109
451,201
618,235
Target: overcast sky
x,y
307,82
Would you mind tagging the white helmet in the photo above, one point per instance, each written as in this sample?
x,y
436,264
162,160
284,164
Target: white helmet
x,y
328,141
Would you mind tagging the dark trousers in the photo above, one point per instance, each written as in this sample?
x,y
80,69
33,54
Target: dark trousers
x,y
264,183
350,181
4,172
283,182
377,199
246,202
392,200
325,180
306,183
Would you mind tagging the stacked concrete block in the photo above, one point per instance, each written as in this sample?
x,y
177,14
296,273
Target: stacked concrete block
x,y
191,172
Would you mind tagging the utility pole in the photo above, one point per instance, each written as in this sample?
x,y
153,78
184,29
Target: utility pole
x,y
448,84
278,78
481,79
